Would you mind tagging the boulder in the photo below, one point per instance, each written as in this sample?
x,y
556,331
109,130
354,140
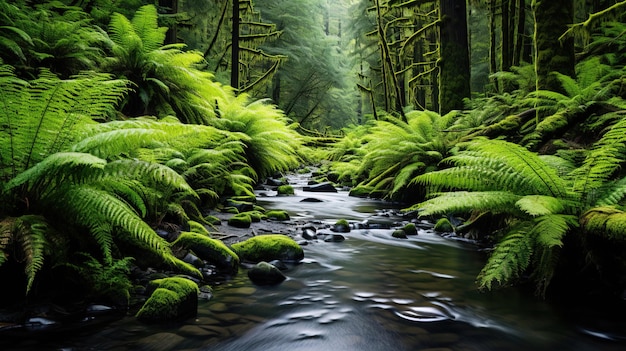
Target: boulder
x,y
171,299
285,190
277,215
443,225
209,249
265,274
409,229
399,234
240,220
341,226
269,247
326,187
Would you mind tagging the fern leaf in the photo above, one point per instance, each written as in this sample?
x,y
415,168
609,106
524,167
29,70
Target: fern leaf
x,y
551,228
464,201
510,258
31,238
540,205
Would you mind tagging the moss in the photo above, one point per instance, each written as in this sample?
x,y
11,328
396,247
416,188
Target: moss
x,y
399,233
269,247
259,208
172,298
285,190
240,220
304,170
211,250
279,215
230,209
213,220
199,228
410,229
443,225
256,216
341,226
361,191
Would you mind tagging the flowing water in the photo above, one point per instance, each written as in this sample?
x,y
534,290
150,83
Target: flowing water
x,y
369,292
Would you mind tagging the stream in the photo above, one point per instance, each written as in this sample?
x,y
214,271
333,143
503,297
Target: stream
x,y
369,292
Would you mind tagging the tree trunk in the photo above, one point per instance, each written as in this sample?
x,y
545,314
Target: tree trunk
x,y
505,52
493,45
454,75
171,6
519,33
552,18
234,61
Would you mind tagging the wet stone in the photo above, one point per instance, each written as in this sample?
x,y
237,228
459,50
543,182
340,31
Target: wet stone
x,y
160,342
195,331
218,307
243,291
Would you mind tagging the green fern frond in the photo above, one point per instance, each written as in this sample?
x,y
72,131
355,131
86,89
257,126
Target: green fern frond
x,y
465,202
7,228
510,258
144,23
540,205
156,175
550,229
602,161
404,176
54,170
31,238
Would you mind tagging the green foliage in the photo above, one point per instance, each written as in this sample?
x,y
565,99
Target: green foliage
x,y
506,179
42,114
166,78
271,145
110,280
393,151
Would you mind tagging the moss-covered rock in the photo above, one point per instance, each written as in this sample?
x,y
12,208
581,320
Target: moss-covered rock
x,y
341,226
209,249
360,191
212,220
269,247
443,225
171,299
199,228
256,216
399,234
410,229
285,190
265,274
278,215
240,220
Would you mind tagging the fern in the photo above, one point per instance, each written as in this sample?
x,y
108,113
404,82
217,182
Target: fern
x,y
509,259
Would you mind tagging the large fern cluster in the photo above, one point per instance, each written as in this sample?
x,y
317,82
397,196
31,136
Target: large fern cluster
x,y
394,151
542,198
97,201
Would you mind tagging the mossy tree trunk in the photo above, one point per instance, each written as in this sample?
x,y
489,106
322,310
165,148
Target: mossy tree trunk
x,y
552,18
234,72
454,75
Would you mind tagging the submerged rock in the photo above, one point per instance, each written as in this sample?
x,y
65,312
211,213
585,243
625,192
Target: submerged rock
x,y
265,274
326,187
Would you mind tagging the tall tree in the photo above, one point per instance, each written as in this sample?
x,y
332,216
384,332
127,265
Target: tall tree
x,y
234,60
552,18
454,75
